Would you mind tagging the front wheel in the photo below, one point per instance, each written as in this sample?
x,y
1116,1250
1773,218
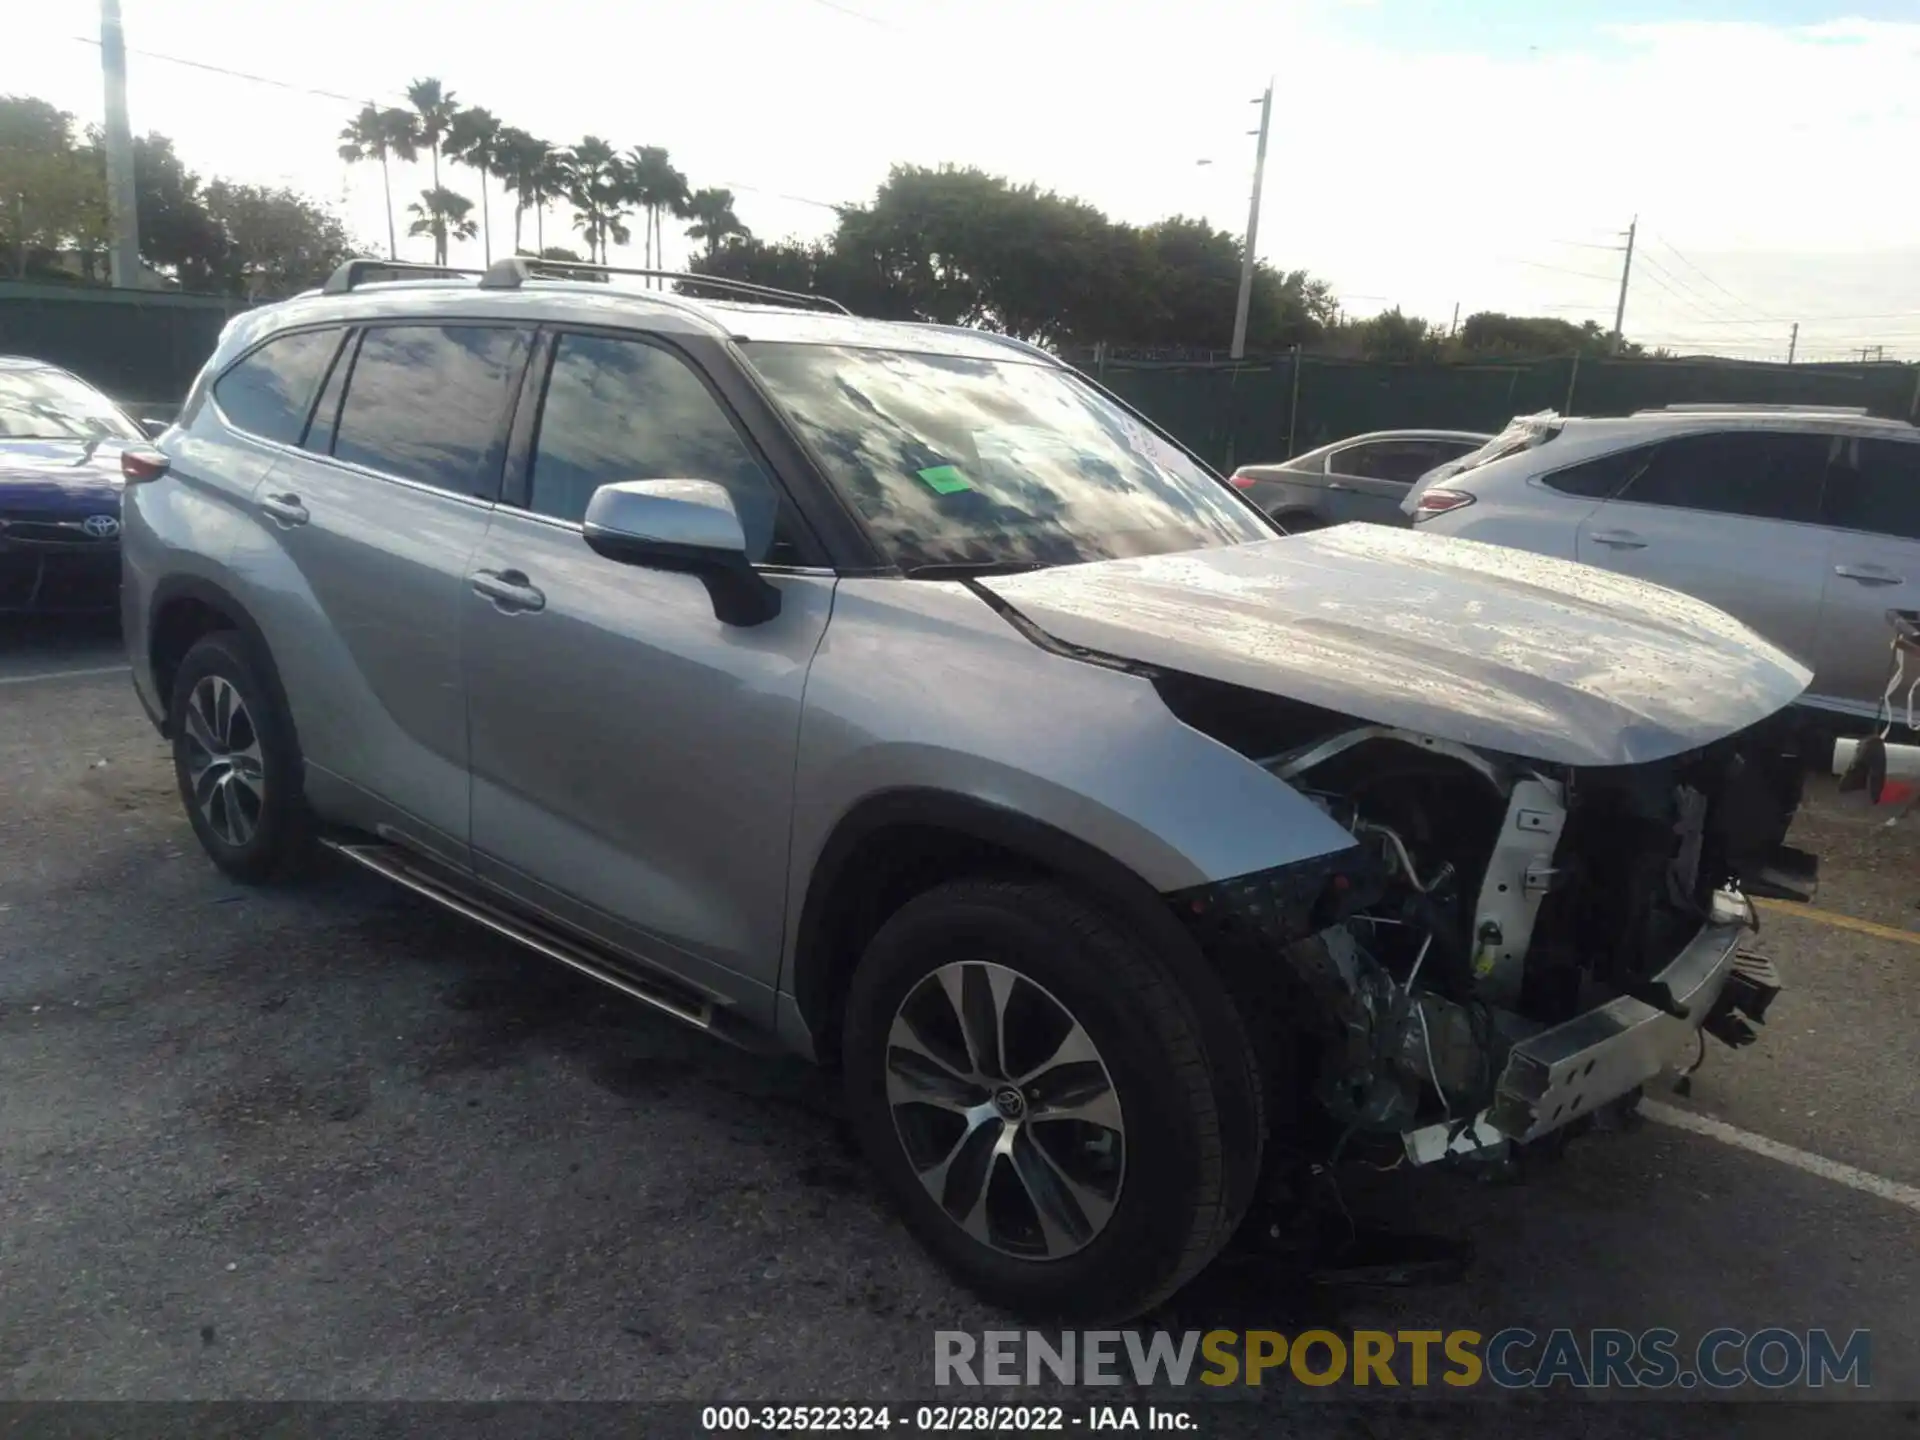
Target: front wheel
x,y
236,761
1059,1116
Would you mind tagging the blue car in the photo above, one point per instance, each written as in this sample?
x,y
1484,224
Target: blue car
x,y
63,446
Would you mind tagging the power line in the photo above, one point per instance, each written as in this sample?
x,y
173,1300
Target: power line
x,y
1557,269
242,74
1686,295
1746,304
848,10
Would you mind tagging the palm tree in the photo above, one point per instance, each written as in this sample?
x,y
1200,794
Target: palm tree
x,y
549,184
434,109
598,190
374,134
711,212
657,188
443,215
521,158
473,138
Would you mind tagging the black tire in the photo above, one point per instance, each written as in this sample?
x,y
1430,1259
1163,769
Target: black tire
x,y
1299,522
1178,1060
268,840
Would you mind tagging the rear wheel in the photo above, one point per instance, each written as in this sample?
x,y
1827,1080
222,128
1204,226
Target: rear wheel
x,y
1298,522
235,760
1059,1117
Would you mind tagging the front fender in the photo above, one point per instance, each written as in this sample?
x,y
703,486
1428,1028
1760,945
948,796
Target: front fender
x,y
921,686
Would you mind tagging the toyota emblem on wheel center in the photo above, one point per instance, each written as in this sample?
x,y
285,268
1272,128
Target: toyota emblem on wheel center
x,y
100,527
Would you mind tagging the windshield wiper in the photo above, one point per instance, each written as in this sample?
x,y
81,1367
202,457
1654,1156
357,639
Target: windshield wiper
x,y
970,569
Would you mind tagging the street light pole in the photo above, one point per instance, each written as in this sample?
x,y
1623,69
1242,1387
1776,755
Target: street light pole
x,y
123,256
1253,230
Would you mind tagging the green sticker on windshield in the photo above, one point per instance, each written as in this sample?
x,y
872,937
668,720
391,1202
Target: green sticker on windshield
x,y
945,480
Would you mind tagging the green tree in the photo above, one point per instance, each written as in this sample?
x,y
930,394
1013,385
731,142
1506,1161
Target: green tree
x,y
474,139
1390,335
597,188
434,108
528,173
377,133
1491,334
657,189
278,241
712,219
443,215
52,197
178,238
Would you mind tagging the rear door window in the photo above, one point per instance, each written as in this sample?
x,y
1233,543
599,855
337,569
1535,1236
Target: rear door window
x,y
430,403
1766,475
1399,461
269,393
1874,485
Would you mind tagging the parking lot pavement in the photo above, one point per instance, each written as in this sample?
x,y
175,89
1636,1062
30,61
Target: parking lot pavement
x,y
328,1142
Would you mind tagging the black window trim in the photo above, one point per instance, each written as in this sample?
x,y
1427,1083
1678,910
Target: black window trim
x,y
515,383
212,396
515,491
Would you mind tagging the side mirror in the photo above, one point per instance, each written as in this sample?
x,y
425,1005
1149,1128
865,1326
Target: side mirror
x,y
153,426
685,525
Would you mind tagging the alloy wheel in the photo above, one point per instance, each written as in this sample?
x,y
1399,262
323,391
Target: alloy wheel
x,y
1007,1113
224,768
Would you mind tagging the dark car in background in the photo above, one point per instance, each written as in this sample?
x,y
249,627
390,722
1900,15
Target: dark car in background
x,y
1364,477
63,449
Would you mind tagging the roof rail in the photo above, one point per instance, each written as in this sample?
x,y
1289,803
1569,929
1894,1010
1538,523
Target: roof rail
x,y
354,273
510,272
1737,407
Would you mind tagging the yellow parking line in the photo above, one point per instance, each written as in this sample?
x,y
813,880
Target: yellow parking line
x,y
1839,922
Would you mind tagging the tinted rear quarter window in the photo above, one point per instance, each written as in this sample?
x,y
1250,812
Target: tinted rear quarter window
x,y
1768,475
1602,477
270,391
430,403
1399,461
1874,485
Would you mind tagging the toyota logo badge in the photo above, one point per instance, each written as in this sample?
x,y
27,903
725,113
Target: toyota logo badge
x,y
101,527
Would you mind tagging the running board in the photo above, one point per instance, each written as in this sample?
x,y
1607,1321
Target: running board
x,y
402,868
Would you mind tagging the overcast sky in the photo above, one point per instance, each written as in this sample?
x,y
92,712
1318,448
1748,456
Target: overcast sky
x,y
1424,152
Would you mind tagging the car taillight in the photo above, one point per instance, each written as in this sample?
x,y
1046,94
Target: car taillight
x,y
1439,502
141,463
1240,480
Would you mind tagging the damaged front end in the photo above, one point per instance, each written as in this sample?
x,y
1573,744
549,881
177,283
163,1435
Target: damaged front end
x,y
1509,949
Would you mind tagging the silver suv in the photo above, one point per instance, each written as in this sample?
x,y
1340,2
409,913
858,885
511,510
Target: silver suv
x,y
893,694
1803,522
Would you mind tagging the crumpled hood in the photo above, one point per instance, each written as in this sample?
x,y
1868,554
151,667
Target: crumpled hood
x,y
1546,659
60,476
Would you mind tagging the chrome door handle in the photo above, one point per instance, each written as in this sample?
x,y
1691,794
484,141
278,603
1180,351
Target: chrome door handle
x,y
509,590
1618,539
1867,574
286,509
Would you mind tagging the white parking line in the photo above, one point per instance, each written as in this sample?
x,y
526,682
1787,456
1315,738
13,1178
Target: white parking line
x,y
63,674
1879,1186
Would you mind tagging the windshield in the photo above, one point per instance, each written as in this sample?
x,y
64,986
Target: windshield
x,y
960,464
49,405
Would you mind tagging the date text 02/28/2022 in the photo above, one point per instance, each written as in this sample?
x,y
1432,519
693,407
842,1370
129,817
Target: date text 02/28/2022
x,y
942,1419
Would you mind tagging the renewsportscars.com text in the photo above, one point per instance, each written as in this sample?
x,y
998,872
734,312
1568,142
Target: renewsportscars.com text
x,y
1515,1358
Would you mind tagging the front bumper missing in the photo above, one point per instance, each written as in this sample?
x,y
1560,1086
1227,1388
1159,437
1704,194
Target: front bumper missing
x,y
1577,1068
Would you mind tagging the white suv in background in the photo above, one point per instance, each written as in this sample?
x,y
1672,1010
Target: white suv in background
x,y
1803,522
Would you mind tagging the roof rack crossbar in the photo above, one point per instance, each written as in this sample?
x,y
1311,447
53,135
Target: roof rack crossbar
x,y
351,274
510,272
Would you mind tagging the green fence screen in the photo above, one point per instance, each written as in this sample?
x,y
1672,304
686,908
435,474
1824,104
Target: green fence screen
x,y
144,348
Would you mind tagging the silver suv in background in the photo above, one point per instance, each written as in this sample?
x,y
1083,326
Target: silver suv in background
x,y
893,694
1364,477
1802,522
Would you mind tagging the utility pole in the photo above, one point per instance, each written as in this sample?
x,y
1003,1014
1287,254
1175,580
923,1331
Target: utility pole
x,y
1455,326
1626,270
1793,342
123,206
1253,229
